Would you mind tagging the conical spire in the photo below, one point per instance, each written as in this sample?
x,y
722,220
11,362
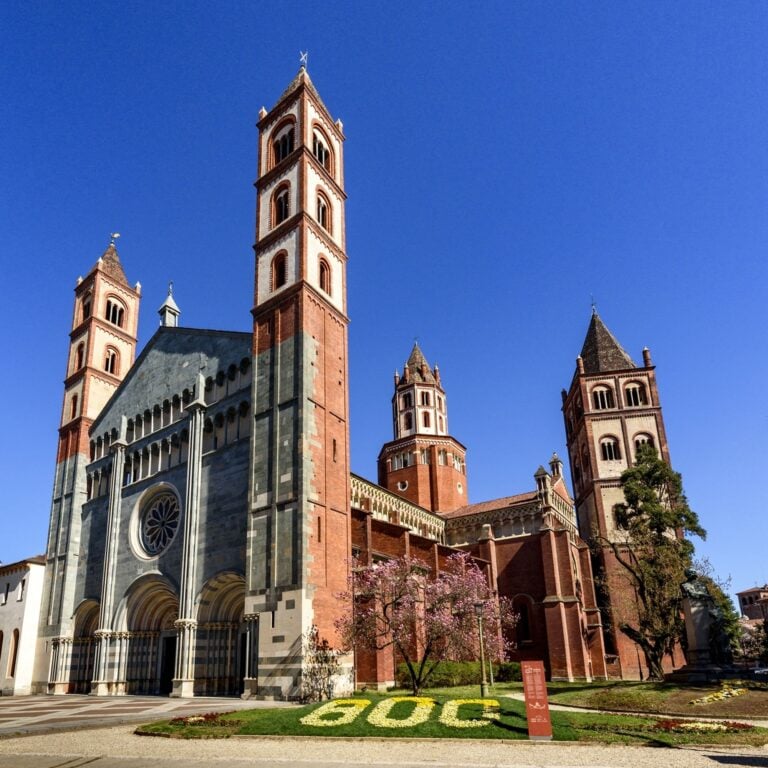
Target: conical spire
x,y
418,367
601,351
110,263
302,78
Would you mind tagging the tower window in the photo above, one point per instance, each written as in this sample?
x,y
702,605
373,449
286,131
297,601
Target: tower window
x,y
323,212
110,361
80,356
73,410
609,449
602,398
325,276
408,421
442,457
425,419
278,271
635,394
425,456
425,398
440,424
281,206
642,439
320,151
440,402
87,306
282,146
115,313
407,400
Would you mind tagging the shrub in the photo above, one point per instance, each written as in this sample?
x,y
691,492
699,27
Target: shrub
x,y
448,674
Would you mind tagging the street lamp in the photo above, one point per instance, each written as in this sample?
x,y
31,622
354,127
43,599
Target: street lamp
x,y
483,683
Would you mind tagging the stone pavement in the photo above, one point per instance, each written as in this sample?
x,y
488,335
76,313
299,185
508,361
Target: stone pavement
x,y
37,714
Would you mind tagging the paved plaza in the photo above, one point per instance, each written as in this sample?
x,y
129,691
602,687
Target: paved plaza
x,y
39,714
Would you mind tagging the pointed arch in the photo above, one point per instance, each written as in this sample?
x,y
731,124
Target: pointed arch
x,y
279,270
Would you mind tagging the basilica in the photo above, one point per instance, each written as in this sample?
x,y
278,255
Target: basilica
x,y
204,516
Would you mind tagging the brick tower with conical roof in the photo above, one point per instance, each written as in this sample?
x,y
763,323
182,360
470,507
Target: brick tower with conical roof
x,y
423,463
102,347
611,408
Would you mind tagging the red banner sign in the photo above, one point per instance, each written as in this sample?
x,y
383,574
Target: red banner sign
x,y
536,705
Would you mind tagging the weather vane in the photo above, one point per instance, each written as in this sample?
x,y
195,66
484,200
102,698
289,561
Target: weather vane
x,y
303,56
170,288
112,237
594,305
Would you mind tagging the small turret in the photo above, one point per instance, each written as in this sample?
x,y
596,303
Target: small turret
x,y
169,311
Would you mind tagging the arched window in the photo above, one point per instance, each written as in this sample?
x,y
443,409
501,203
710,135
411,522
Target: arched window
x,y
325,276
80,356
281,205
279,275
425,420
408,421
634,394
110,361
609,449
115,313
323,211
425,398
442,457
602,397
521,607
407,400
73,411
642,439
14,653
86,306
320,150
282,143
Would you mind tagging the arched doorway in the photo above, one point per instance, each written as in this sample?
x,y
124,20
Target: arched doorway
x,y
221,639
150,609
83,647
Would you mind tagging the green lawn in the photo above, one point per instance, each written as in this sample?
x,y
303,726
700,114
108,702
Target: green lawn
x,y
511,724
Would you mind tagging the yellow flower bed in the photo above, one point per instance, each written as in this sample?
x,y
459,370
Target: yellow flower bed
x,y
346,711
726,692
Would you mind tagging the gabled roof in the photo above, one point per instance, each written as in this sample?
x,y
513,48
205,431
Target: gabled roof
x,y
601,351
110,263
417,362
302,78
169,363
489,506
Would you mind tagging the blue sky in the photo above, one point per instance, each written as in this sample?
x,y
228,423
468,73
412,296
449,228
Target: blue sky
x,y
505,162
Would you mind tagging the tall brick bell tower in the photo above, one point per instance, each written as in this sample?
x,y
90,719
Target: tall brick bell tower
x,y
611,408
102,348
298,529
423,463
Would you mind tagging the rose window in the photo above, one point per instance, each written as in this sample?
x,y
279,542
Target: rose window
x,y
159,523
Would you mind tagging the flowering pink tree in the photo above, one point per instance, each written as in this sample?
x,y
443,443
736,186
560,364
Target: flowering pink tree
x,y
427,618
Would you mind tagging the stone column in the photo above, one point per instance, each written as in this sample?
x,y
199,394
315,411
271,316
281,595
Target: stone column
x,y
251,671
61,659
186,625
101,685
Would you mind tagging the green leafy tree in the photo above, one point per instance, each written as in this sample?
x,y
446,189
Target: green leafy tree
x,y
650,546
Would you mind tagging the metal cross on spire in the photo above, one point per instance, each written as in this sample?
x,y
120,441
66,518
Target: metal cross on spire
x,y
303,57
112,237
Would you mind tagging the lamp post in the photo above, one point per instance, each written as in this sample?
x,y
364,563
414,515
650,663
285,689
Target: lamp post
x,y
483,682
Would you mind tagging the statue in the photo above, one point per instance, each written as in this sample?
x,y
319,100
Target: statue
x,y
708,642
